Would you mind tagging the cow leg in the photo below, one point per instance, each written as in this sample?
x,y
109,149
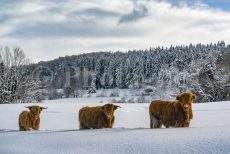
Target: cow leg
x,y
151,123
187,123
154,122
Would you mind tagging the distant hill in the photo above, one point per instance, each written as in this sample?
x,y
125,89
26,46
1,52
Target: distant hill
x,y
200,68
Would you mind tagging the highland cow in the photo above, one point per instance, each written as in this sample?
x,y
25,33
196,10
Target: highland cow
x,y
176,113
30,119
97,117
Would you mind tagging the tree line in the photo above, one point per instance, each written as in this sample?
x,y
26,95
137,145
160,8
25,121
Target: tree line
x,y
203,69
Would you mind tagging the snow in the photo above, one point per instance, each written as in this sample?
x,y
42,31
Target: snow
x,y
59,133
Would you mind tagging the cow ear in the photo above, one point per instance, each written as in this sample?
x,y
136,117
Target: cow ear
x,y
116,106
193,97
178,98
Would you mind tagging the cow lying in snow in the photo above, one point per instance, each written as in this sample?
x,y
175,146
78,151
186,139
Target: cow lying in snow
x,y
176,113
97,117
30,119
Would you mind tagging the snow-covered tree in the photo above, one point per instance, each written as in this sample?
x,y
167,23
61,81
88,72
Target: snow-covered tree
x,y
17,84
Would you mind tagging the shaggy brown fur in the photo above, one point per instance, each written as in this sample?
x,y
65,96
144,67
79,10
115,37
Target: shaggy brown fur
x,y
176,113
30,119
187,98
97,117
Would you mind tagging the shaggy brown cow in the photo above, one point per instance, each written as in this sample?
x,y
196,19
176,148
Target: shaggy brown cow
x,y
187,98
176,113
97,117
30,119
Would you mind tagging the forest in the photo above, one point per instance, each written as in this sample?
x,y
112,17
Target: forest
x,y
202,69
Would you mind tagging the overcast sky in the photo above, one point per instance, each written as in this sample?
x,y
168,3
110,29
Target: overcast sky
x,y
47,29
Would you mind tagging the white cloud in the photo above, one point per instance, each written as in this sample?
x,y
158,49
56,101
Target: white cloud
x,y
46,29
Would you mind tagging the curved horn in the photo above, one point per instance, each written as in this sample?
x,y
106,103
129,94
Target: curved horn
x,y
43,107
117,106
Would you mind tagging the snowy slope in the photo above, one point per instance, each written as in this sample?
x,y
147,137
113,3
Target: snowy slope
x,y
209,131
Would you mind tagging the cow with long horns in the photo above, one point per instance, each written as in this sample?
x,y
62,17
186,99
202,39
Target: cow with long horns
x,y
30,119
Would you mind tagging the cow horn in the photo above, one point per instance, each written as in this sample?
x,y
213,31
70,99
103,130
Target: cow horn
x,y
43,107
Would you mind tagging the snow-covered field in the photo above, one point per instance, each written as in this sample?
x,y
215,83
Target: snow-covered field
x,y
209,131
